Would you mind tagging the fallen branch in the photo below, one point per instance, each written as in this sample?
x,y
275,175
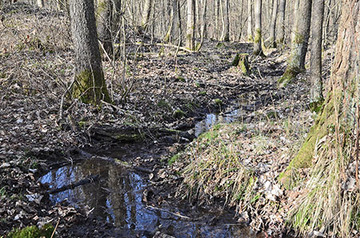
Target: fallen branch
x,y
87,180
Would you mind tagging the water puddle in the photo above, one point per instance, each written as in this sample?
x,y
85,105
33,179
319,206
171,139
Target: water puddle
x,y
213,119
117,198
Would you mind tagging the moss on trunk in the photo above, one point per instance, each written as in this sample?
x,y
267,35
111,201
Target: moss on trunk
x,y
90,87
323,125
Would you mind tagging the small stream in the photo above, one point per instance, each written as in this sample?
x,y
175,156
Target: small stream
x,y
117,197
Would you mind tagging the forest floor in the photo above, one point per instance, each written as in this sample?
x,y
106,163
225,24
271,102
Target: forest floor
x,y
159,98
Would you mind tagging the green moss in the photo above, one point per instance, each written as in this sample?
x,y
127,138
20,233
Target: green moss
x,y
178,113
174,158
288,76
32,232
303,159
242,61
181,78
163,104
236,60
220,45
298,39
218,101
202,93
2,75
257,38
250,39
128,137
90,87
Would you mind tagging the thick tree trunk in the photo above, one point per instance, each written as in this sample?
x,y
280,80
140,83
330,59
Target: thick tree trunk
x,y
330,200
316,96
272,41
174,31
281,22
249,26
146,14
104,21
258,36
89,83
190,32
226,26
299,42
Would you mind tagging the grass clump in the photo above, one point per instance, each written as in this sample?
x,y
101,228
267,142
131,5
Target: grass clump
x,y
32,232
217,170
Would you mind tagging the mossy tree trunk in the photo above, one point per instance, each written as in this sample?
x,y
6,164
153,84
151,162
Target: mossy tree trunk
x,y
225,36
89,83
281,22
343,85
329,202
104,21
299,42
250,36
258,36
272,41
190,32
316,95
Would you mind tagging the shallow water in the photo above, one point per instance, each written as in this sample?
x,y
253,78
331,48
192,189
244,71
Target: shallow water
x,y
117,198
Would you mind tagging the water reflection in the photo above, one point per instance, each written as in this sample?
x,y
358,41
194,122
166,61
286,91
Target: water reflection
x,y
117,198
213,119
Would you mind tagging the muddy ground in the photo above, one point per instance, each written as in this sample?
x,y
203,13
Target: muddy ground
x,y
158,98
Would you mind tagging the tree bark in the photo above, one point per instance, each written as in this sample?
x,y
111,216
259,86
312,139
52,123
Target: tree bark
x,y
335,136
299,42
174,32
104,22
190,32
146,14
226,26
281,22
272,41
203,24
258,36
40,3
249,28
89,83
316,96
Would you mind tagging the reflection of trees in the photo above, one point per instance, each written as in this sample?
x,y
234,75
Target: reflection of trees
x,y
121,197
94,194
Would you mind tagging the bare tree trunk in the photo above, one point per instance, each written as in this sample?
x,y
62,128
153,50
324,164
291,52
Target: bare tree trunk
x,y
316,96
258,36
89,83
173,34
146,14
203,24
249,29
104,21
217,18
226,26
272,42
40,3
299,42
190,32
281,22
